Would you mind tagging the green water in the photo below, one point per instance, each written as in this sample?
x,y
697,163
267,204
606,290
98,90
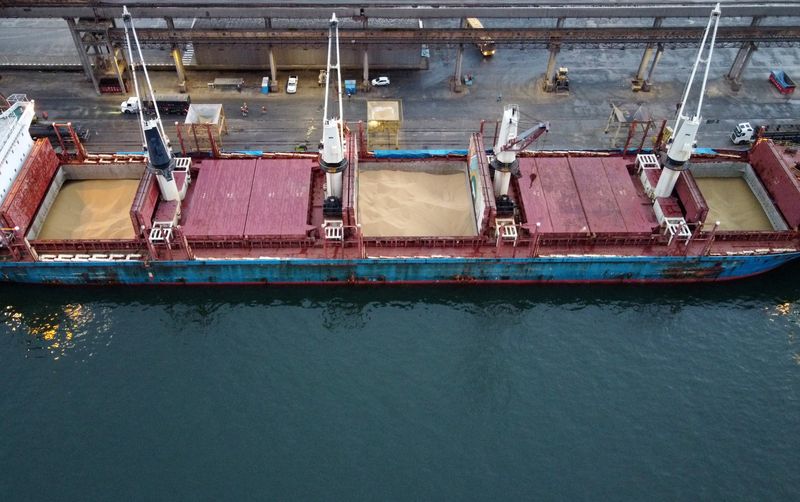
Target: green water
x,y
386,393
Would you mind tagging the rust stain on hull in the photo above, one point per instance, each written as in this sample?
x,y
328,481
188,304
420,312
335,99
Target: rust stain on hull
x,y
699,271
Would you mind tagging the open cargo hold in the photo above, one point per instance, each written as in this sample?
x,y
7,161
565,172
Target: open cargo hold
x,y
415,199
88,202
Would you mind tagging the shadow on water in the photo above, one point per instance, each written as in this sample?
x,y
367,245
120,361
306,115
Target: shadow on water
x,y
53,320
780,284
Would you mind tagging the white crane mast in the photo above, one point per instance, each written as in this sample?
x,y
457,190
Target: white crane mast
x,y
510,142
505,157
332,152
154,139
684,138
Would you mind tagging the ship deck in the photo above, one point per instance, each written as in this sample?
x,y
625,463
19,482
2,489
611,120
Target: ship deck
x,y
567,205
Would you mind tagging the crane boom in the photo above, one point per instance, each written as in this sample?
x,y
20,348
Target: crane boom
x,y
684,138
508,144
333,158
525,139
154,139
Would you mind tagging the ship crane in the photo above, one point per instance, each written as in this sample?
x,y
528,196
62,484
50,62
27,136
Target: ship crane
x,y
333,158
155,143
508,144
683,140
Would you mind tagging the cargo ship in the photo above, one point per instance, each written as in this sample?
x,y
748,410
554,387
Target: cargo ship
x,y
496,214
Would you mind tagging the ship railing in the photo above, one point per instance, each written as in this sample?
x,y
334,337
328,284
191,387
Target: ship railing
x,y
86,245
84,257
600,239
250,242
542,238
424,242
750,236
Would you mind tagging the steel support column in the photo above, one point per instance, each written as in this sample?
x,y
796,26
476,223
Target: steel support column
x,y
647,84
648,53
734,76
273,69
87,66
177,57
459,61
365,75
742,59
639,79
118,55
551,61
551,67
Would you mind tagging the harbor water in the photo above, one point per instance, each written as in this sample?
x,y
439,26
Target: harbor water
x,y
402,393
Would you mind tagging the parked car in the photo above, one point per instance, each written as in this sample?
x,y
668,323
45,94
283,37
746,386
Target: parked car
x,y
380,81
291,85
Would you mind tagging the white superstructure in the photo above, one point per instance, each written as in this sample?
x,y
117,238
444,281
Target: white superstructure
x,y
15,141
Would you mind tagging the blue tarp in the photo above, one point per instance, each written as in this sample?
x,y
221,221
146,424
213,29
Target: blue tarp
x,y
415,154
705,151
257,153
697,151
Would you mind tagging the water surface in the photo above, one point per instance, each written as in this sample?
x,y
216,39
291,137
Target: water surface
x,y
460,393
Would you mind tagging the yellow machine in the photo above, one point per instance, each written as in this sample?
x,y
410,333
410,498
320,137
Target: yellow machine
x,y
561,81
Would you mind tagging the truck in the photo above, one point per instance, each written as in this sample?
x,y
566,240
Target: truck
x,y
174,104
746,133
46,130
782,81
486,45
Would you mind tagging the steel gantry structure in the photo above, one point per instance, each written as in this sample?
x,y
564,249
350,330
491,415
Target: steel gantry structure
x,y
530,37
96,35
397,9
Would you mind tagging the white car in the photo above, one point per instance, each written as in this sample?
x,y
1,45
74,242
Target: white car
x,y
291,85
380,81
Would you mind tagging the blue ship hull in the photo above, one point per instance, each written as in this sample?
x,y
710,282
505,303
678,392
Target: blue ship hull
x,y
399,270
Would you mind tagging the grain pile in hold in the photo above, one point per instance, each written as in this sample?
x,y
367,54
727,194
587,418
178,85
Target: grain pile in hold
x,y
408,203
91,209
